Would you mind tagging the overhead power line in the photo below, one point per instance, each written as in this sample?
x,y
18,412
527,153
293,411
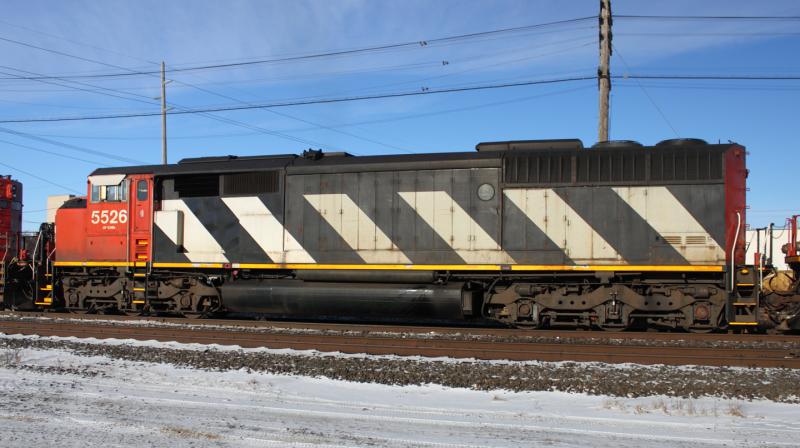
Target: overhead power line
x,y
86,87
678,17
186,111
234,122
35,176
162,73
403,117
67,39
715,77
416,43
92,88
647,94
304,103
53,153
292,117
334,128
70,146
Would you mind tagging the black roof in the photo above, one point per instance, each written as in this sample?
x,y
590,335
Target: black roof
x,y
329,162
489,154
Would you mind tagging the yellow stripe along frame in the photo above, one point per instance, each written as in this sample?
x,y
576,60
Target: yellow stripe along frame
x,y
406,267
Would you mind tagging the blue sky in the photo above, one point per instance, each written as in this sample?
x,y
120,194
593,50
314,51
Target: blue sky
x,y
761,115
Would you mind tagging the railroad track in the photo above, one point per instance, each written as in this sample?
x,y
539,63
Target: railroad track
x,y
467,331
383,343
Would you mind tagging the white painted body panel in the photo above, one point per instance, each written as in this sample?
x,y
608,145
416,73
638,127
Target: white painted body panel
x,y
200,246
267,230
454,225
669,218
355,227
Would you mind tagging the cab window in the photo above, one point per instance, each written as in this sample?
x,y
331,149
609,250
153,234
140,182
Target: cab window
x,y
110,193
96,193
141,190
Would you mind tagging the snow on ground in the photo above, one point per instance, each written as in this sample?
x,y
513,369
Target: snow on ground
x,y
54,397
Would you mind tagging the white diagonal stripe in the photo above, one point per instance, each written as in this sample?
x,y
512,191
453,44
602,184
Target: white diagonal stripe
x,y
667,216
562,224
171,223
455,226
265,228
200,246
355,227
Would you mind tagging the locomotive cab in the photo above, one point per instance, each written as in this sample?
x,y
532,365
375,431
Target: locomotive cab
x,y
112,224
103,239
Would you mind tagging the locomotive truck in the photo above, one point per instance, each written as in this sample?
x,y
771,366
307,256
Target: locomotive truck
x,y
540,233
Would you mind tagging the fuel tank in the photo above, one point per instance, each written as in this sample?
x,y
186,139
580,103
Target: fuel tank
x,y
311,300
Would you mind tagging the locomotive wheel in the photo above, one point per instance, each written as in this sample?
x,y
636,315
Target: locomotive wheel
x,y
613,329
703,330
88,310
201,314
619,322
206,307
720,326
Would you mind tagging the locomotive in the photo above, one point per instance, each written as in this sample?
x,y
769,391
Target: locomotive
x,y
18,274
537,233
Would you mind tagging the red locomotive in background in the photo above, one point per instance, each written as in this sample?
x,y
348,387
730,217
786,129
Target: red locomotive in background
x,y
10,216
19,274
525,233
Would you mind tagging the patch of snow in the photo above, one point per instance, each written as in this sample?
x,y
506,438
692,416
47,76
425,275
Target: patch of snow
x,y
54,397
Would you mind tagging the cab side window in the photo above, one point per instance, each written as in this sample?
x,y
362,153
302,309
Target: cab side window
x,y
141,190
110,193
96,193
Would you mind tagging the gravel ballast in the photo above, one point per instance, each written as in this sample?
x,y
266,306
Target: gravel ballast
x,y
627,380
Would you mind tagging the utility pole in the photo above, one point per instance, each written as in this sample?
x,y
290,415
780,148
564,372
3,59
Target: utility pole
x,y
603,71
163,115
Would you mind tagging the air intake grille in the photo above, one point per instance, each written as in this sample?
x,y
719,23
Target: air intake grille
x,y
548,168
245,184
695,239
619,166
198,185
688,164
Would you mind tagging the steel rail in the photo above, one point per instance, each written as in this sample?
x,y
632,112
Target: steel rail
x,y
412,329
388,345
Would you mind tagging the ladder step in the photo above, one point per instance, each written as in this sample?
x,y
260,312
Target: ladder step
x,y
46,301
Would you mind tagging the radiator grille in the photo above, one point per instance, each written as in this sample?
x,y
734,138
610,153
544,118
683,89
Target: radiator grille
x,y
244,184
635,166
